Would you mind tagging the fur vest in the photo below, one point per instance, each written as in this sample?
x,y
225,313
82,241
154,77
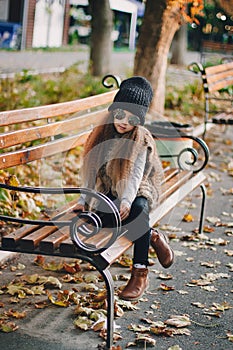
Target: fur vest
x,y
114,158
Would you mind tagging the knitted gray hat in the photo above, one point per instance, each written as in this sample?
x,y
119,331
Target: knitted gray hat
x,y
135,95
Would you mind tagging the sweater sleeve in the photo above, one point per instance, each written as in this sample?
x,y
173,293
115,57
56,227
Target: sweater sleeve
x,y
82,198
135,179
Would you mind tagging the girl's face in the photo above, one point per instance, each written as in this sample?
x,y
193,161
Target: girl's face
x,y
122,121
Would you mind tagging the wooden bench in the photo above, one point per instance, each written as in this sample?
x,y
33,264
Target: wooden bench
x,y
218,92
36,135
209,49
210,45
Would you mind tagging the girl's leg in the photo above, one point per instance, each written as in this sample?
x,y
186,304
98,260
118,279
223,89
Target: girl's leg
x,y
139,230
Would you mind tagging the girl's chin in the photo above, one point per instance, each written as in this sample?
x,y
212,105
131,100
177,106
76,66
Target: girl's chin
x,y
121,130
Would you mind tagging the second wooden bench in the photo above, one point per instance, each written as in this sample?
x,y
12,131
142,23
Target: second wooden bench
x,y
217,83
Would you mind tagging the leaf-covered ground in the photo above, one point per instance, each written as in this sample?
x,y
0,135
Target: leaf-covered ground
x,y
61,303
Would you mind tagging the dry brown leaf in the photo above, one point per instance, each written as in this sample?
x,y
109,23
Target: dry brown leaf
x,y
166,287
164,276
230,336
228,252
188,218
178,321
8,327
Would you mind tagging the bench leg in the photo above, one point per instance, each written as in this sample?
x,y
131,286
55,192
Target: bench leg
x,y
201,222
110,306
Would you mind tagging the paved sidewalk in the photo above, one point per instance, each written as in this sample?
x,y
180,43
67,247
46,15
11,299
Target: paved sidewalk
x,y
42,61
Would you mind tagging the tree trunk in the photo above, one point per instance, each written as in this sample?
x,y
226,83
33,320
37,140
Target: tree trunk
x,y
101,43
159,26
179,46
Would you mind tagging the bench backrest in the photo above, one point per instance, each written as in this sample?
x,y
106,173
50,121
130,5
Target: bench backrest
x,y
217,77
216,46
39,132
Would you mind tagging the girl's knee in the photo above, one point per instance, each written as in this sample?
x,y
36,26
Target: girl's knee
x,y
140,205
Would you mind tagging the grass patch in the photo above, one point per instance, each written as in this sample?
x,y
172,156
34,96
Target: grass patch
x,y
27,90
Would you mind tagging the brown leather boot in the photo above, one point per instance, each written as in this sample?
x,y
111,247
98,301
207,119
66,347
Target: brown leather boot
x,y
136,286
162,249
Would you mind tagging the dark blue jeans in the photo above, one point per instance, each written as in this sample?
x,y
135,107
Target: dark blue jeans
x,y
138,227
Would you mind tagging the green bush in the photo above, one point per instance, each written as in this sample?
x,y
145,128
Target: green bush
x,y
27,90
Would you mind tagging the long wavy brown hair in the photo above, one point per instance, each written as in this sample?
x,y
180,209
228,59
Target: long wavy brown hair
x,y
120,151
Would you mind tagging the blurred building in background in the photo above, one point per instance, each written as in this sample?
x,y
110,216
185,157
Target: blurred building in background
x,y
53,23
127,19
34,23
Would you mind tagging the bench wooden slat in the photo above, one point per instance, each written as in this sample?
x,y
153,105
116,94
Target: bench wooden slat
x,y
224,83
118,248
176,197
216,46
169,173
53,241
219,68
219,76
31,241
173,183
30,154
52,129
48,111
223,118
67,247
11,241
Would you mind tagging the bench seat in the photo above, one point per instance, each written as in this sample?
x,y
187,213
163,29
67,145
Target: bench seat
x,y
56,240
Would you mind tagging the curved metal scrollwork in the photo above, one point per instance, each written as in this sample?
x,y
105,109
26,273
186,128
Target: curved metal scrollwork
x,y
192,157
115,78
88,230
189,161
196,67
195,162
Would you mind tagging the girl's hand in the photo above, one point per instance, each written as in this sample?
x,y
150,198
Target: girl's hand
x,y
124,211
78,208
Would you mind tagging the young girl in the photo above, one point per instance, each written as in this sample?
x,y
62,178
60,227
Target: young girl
x,y
120,161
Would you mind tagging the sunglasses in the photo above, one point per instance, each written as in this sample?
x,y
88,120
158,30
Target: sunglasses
x,y
120,114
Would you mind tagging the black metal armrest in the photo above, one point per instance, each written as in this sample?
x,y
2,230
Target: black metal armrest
x,y
192,155
193,158
84,225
